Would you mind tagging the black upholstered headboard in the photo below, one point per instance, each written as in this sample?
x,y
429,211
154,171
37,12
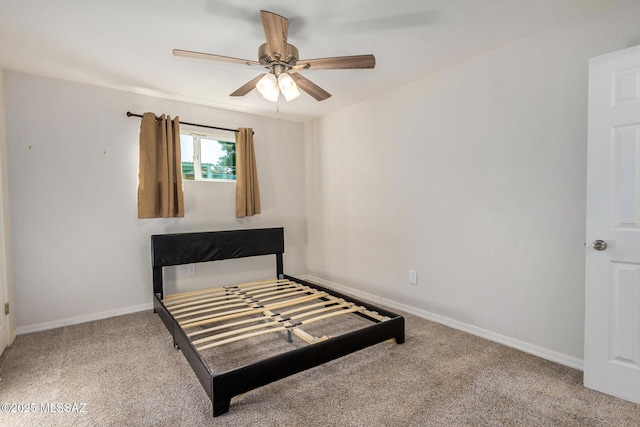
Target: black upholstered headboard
x,y
188,248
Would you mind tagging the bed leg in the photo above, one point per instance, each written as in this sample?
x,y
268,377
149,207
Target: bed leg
x,y
400,336
175,345
220,408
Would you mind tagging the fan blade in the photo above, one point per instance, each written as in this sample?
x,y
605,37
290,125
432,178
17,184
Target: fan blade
x,y
247,87
310,87
276,29
209,56
338,62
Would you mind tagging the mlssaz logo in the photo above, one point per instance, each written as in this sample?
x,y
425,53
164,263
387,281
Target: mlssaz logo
x,y
62,407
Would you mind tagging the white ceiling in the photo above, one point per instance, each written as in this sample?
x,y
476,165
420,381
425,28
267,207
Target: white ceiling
x,y
127,44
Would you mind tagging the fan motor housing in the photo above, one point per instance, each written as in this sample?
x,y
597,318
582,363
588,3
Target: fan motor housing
x,y
267,58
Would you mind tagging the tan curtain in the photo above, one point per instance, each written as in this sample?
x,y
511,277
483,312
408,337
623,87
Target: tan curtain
x,y
247,190
160,174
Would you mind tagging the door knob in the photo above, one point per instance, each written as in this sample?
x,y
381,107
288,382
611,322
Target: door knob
x,y
599,245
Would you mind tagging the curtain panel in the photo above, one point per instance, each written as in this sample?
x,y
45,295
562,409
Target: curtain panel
x,y
247,189
160,175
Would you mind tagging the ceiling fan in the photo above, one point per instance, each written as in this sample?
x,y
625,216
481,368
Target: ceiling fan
x,y
281,59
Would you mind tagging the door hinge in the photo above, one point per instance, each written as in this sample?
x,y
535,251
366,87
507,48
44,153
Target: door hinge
x,y
6,308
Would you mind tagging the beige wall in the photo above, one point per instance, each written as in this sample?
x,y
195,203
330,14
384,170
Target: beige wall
x,y
79,251
474,177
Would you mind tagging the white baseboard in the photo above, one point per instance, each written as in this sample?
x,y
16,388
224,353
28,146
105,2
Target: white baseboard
x,y
544,353
82,319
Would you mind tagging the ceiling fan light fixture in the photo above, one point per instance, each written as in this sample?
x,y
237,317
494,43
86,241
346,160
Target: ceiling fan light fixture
x,y
268,87
280,57
288,87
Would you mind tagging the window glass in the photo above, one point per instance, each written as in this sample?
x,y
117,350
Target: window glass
x,y
218,159
207,157
186,155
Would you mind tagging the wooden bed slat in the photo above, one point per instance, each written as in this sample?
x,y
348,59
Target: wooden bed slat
x,y
279,329
172,299
218,288
231,314
270,324
229,299
334,314
279,289
242,337
237,302
309,339
289,293
271,319
225,326
321,310
199,300
331,301
252,294
243,312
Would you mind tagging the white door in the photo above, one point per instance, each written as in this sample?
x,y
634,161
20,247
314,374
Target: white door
x,y
612,311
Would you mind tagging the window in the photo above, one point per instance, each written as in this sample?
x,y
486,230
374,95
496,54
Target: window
x,y
207,157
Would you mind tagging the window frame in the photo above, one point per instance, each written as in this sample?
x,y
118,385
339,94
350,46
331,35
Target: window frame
x,y
197,154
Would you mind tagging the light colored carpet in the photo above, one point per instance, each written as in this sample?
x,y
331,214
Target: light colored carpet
x,y
126,372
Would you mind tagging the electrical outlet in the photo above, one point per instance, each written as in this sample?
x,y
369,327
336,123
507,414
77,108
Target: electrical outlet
x,y
413,277
191,269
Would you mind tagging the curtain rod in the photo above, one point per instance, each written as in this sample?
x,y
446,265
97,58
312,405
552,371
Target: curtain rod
x,y
130,114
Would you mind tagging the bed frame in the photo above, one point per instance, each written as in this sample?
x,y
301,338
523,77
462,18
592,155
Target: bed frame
x,y
187,248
